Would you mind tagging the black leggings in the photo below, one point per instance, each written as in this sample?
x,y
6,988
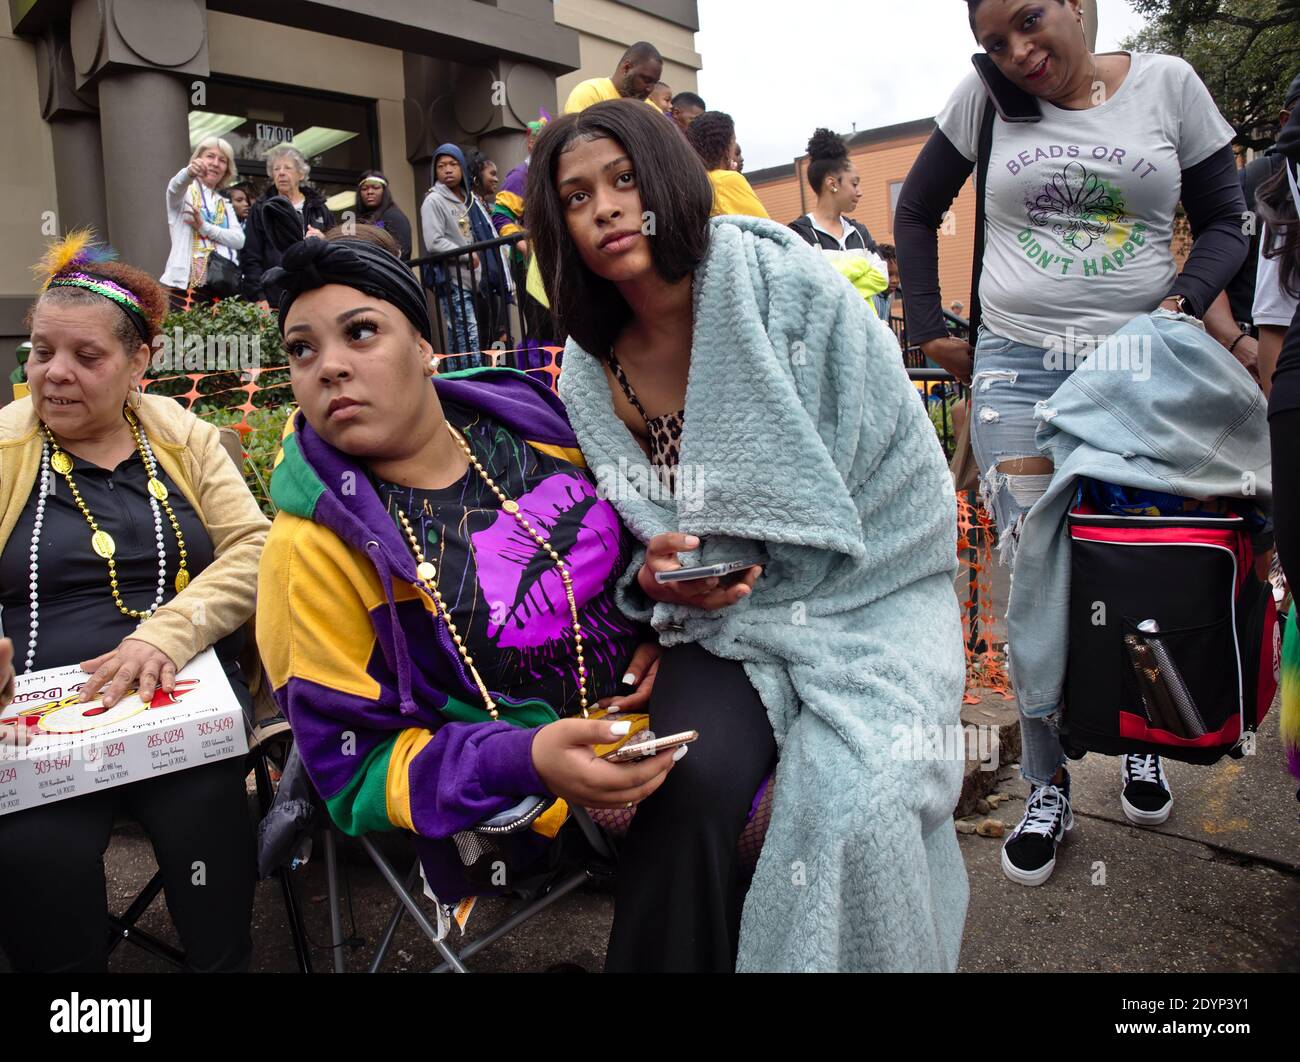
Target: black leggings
x,y
680,891
52,888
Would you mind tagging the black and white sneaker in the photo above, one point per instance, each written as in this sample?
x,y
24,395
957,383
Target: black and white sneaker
x,y
1146,799
1029,856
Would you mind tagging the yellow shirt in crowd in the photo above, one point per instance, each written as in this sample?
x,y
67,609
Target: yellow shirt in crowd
x,y
585,93
732,194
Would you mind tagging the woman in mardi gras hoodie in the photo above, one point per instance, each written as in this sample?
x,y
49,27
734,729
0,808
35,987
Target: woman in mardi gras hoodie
x,y
435,604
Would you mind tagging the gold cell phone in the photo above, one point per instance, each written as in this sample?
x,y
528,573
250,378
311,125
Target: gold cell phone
x,y
632,753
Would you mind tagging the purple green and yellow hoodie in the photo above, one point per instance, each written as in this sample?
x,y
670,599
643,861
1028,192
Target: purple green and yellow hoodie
x,y
391,728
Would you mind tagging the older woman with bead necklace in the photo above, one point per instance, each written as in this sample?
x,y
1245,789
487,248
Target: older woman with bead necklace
x,y
202,222
436,600
128,543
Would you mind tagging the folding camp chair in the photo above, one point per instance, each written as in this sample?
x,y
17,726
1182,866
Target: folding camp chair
x,y
600,828
123,927
407,890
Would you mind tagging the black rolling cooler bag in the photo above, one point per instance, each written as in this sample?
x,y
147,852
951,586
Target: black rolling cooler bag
x,y
1175,646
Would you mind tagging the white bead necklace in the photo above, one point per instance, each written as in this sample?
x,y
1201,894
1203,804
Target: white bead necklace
x,y
35,605
46,489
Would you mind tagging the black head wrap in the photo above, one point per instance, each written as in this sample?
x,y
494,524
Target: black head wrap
x,y
313,263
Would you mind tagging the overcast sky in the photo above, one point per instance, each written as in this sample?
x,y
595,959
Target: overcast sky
x,y
781,70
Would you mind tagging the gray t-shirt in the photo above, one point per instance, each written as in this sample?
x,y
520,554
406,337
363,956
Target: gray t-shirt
x,y
1080,206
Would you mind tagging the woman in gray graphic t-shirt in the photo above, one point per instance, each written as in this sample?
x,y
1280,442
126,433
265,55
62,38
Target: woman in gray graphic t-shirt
x,y
1079,221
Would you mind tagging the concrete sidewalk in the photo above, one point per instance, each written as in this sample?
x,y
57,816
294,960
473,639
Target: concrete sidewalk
x,y
1216,888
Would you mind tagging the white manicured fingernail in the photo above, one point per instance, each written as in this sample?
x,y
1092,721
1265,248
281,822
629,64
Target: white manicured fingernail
x,y
613,709
621,729
681,752
629,679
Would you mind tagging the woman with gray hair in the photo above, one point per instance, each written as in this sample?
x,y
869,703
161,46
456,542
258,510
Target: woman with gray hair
x,y
203,227
290,210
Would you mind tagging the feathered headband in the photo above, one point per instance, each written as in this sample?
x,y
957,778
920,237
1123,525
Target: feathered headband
x,y
70,263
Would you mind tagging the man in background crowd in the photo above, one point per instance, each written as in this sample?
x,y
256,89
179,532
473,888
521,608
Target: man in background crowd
x,y
687,106
508,207
508,217
638,72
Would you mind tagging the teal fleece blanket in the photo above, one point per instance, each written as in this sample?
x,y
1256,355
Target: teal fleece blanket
x,y
806,443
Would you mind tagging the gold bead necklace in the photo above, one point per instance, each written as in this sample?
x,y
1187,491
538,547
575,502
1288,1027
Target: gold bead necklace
x,y
101,541
427,575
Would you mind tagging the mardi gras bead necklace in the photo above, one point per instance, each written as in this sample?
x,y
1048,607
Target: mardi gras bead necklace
x,y
58,460
427,574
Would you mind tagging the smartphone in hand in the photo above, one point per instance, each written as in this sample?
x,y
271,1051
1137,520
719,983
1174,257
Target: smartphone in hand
x,y
630,753
711,571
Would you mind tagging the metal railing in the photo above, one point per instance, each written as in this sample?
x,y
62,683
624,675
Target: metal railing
x,y
484,316
958,327
480,303
940,390
941,394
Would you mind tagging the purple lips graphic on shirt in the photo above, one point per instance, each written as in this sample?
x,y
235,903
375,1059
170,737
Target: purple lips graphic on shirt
x,y
520,582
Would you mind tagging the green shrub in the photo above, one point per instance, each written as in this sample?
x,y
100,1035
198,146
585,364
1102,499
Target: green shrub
x,y
260,446
940,410
221,341
249,337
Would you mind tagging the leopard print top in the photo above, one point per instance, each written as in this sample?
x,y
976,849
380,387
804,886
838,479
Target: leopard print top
x,y
665,432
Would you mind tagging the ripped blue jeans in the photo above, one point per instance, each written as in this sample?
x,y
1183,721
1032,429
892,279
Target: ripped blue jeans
x,y
1008,382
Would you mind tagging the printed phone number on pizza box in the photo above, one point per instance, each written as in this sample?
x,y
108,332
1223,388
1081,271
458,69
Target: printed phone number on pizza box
x,y
53,747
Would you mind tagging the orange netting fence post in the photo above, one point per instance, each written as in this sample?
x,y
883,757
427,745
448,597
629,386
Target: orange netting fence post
x,y
985,669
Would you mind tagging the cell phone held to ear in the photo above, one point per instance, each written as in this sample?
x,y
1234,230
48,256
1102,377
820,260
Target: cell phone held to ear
x,y
1012,103
639,750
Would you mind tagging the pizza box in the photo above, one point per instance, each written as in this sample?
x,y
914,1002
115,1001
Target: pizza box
x,y
74,748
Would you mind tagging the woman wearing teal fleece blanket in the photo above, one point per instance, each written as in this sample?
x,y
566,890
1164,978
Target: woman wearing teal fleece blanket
x,y
731,392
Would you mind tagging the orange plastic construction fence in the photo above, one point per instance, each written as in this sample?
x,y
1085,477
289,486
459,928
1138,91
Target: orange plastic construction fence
x,y
248,383
985,669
